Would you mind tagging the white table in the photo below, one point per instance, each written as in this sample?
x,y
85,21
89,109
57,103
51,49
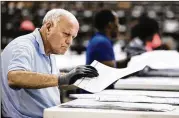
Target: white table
x,y
148,83
58,112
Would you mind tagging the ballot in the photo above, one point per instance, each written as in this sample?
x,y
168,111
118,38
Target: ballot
x,y
107,76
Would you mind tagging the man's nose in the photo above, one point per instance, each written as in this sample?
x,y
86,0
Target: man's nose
x,y
69,40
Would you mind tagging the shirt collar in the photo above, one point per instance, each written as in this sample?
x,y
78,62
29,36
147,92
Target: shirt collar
x,y
102,34
39,40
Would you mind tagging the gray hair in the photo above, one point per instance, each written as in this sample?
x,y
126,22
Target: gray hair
x,y
54,15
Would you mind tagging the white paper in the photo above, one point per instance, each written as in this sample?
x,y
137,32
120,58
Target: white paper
x,y
137,99
148,83
159,59
134,96
113,92
159,94
90,103
107,76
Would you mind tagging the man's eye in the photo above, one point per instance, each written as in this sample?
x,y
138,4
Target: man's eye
x,y
66,34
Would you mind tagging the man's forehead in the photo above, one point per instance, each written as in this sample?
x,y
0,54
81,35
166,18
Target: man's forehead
x,y
69,28
68,19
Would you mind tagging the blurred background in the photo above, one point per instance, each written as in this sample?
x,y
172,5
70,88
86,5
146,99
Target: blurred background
x,y
19,18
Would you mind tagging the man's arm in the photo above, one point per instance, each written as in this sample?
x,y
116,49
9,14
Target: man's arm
x,y
109,63
31,80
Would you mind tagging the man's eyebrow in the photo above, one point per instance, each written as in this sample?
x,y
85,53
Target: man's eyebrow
x,y
68,32
73,36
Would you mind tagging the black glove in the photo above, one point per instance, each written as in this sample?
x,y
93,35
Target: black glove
x,y
77,73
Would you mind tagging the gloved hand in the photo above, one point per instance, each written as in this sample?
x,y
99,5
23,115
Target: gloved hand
x,y
77,73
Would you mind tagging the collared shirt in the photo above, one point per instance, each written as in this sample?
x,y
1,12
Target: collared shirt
x,y
99,48
27,53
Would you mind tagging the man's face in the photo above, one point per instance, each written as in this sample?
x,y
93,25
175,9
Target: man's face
x,y
61,34
115,28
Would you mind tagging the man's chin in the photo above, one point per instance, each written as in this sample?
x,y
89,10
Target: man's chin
x,y
59,52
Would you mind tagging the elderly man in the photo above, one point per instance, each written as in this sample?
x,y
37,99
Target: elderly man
x,y
29,76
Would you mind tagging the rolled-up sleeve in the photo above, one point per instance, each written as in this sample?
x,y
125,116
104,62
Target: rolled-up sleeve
x,y
21,58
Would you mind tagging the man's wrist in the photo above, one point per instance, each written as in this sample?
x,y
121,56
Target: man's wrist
x,y
62,80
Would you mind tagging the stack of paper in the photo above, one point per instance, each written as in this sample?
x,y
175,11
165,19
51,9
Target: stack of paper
x,y
134,96
113,92
137,99
92,104
159,94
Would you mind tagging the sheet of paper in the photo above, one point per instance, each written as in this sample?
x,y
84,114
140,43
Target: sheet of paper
x,y
158,59
93,104
107,76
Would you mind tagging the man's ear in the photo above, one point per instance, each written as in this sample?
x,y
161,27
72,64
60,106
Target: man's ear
x,y
49,26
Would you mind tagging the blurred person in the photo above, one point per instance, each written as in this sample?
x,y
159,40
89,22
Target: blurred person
x,y
100,46
26,27
145,36
30,78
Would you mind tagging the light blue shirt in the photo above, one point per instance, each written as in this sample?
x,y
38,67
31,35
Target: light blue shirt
x,y
27,53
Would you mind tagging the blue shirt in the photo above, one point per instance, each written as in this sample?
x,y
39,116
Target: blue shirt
x,y
99,48
27,53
